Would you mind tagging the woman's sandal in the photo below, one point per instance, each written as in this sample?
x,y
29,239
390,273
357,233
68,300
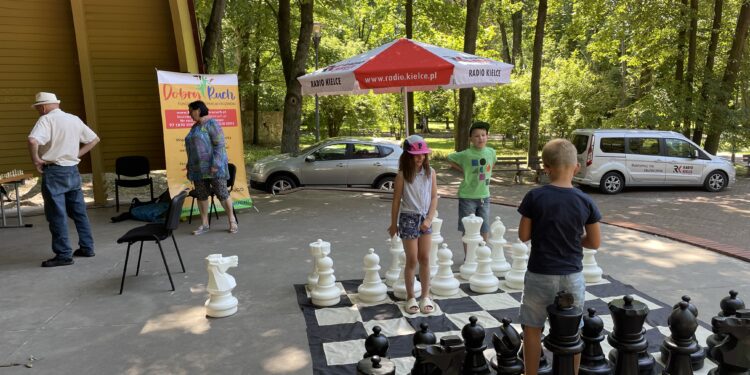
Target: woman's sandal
x,y
233,227
411,306
426,306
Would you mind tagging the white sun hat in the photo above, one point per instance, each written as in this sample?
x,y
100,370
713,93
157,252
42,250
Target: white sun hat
x,y
45,98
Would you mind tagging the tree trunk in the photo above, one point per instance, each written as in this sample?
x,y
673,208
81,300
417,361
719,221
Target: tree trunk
x,y
466,96
213,31
504,38
517,23
221,67
708,72
256,99
692,35
679,74
536,73
623,102
734,62
243,75
293,66
410,34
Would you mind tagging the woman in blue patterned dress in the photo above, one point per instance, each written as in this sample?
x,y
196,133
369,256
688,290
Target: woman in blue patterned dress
x,y
207,165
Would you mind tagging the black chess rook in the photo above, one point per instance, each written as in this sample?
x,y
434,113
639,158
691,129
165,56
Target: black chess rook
x,y
593,360
506,345
474,363
627,337
564,340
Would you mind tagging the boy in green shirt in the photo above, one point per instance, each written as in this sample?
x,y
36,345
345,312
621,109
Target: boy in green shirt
x,y
476,163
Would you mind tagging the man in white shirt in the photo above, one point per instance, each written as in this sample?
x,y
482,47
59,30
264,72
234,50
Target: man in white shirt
x,y
55,148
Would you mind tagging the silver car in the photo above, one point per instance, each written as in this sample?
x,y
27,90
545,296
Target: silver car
x,y
335,161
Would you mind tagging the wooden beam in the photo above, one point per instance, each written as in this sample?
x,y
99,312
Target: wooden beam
x,y
183,35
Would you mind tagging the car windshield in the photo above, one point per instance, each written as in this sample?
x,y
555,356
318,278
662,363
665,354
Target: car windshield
x,y
308,148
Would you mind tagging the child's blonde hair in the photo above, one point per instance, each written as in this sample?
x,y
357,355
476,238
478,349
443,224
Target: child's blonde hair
x,y
559,152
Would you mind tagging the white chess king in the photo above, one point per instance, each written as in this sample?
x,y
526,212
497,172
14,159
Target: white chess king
x,y
221,302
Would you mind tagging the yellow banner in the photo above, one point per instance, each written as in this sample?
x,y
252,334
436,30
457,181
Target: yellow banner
x,y
220,92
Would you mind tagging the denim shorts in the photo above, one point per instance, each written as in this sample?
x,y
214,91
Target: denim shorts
x,y
478,207
408,226
540,290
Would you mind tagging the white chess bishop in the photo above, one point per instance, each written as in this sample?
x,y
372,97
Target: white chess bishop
x,y
445,283
437,239
325,293
221,303
592,273
500,266
399,287
372,289
515,277
472,237
318,249
483,280
395,247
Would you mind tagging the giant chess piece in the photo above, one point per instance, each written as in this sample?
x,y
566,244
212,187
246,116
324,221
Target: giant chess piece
x,y
422,337
483,280
681,343
628,339
699,355
437,239
447,357
500,266
544,367
318,249
395,247
472,237
474,363
593,360
563,340
445,283
732,355
376,365
325,293
372,290
221,302
515,277
592,273
729,306
506,345
376,344
399,288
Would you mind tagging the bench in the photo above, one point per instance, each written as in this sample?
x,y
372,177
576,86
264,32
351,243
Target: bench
x,y
518,164
746,161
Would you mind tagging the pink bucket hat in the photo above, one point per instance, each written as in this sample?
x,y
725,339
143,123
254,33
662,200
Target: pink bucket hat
x,y
416,145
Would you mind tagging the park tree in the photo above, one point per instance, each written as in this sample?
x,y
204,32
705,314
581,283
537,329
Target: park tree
x,y
466,96
213,33
536,72
409,26
708,71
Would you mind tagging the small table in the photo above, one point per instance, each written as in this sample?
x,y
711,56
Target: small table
x,y
15,181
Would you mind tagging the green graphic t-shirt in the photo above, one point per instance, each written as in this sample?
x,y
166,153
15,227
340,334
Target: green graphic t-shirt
x,y
477,165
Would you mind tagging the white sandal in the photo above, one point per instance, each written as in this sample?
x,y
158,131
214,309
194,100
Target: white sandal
x,y
411,306
426,303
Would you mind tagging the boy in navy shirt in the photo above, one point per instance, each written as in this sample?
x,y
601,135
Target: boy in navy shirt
x,y
553,218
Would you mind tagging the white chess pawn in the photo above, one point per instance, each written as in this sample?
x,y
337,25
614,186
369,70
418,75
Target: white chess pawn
x,y
483,280
396,247
500,266
437,239
472,237
445,283
325,293
221,302
399,287
515,277
318,249
592,273
372,289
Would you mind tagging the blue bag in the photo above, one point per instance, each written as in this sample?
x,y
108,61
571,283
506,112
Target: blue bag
x,y
151,212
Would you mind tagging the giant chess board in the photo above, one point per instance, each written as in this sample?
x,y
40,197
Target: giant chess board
x,y
337,334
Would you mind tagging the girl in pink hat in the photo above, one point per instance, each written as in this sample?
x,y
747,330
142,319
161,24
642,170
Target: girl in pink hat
x,y
414,204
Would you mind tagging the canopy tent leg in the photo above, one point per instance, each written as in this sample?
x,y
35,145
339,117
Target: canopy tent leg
x,y
406,112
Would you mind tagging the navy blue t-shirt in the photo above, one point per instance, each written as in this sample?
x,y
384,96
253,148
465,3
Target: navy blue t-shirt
x,y
558,216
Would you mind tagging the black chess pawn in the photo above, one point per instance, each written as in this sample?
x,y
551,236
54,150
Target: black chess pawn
x,y
699,355
376,344
681,343
628,338
593,360
544,368
732,354
474,363
376,366
729,306
564,340
423,337
506,345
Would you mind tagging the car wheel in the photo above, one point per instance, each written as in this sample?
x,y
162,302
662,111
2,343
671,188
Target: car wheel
x,y
280,183
612,183
385,183
716,181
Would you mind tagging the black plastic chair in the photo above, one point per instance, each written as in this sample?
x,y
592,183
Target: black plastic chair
x,y
132,166
156,232
230,185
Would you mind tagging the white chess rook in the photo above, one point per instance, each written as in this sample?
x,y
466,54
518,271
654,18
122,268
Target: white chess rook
x,y
318,249
472,237
445,283
592,273
221,302
500,266
395,247
437,239
515,277
399,287
372,289
483,280
325,293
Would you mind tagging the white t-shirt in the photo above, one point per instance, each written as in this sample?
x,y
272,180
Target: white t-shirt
x,y
59,135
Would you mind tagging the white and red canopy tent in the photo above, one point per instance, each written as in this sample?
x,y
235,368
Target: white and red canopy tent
x,y
405,65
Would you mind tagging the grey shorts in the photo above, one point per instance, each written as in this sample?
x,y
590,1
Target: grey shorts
x,y
540,290
217,186
408,226
478,207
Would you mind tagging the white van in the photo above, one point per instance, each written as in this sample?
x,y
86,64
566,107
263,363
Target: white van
x,y
614,158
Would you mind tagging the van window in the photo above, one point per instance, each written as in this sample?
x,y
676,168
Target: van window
x,y
679,148
643,146
612,145
581,141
